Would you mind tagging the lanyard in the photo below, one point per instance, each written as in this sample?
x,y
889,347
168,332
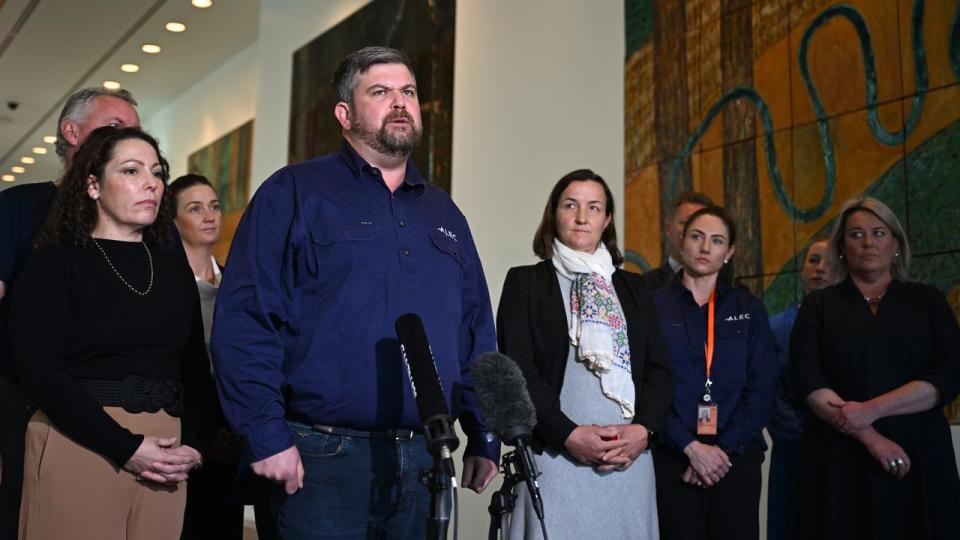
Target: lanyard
x,y
708,346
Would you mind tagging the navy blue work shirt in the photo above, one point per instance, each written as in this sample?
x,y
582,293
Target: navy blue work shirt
x,y
324,261
744,370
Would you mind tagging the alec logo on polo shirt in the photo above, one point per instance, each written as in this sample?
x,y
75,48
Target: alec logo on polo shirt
x,y
740,317
448,233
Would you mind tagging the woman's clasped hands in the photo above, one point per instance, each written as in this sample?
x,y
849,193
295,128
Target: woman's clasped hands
x,y
158,460
609,448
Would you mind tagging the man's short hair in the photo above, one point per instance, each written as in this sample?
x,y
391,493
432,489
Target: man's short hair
x,y
345,78
693,197
75,109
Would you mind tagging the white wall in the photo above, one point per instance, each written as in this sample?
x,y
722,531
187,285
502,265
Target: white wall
x,y
538,92
218,104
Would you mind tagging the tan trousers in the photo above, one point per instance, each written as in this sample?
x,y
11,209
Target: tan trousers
x,y
70,492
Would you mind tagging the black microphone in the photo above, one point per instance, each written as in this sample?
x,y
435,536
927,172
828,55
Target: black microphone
x,y
425,381
509,412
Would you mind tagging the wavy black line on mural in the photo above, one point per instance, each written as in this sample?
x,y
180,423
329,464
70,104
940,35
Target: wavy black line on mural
x,y
870,70
850,13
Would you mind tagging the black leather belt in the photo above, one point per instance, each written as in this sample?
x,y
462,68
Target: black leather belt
x,y
137,394
400,434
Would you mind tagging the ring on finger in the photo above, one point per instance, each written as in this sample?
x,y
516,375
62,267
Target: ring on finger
x,y
899,461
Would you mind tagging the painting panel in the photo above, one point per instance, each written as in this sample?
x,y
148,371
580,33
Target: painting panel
x,y
226,163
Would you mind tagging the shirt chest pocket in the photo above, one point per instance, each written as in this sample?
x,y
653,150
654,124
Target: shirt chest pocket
x,y
348,267
731,351
447,267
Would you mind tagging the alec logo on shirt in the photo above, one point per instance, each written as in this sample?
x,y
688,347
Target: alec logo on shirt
x,y
448,233
740,317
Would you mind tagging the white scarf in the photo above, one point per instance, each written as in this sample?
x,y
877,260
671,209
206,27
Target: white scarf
x,y
598,329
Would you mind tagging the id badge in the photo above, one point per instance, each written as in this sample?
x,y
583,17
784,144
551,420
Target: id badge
x,y
706,419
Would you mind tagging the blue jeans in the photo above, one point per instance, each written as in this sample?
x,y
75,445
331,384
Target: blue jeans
x,y
355,487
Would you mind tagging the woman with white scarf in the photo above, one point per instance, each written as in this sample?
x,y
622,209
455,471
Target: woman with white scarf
x,y
587,338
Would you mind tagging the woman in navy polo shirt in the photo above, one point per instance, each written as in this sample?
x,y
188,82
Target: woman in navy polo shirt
x,y
724,368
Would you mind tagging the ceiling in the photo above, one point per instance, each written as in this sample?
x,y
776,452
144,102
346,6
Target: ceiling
x,y
51,48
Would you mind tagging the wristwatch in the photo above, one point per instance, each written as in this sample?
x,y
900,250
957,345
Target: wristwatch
x,y
653,437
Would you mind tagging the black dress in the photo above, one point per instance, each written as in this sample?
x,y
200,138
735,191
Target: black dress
x,y
838,343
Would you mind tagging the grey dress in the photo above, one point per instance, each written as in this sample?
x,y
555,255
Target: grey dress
x,y
578,501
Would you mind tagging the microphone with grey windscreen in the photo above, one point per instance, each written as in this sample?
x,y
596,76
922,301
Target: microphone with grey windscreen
x,y
509,412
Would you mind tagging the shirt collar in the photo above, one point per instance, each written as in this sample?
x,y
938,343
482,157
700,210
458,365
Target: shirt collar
x,y
678,289
217,274
358,165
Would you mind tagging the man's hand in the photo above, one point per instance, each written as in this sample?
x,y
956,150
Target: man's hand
x,y
283,468
478,472
587,445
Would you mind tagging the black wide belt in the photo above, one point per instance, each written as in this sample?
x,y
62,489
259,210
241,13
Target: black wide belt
x,y
137,394
400,434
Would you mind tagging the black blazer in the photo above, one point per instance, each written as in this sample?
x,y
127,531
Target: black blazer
x,y
532,329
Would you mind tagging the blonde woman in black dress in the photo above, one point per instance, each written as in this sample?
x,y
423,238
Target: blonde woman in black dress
x,y
876,357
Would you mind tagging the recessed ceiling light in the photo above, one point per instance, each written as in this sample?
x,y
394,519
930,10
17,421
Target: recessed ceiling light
x,y
129,68
202,3
173,26
18,169
39,150
9,178
111,85
27,160
50,139
150,48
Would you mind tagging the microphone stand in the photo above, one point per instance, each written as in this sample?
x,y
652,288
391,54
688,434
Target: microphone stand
x,y
517,466
442,477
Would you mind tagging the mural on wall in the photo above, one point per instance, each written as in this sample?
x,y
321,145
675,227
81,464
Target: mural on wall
x,y
424,30
781,110
226,163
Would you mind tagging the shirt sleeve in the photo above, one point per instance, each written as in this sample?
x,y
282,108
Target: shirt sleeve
x,y
656,394
678,435
805,347
41,317
944,371
477,335
759,397
251,309
514,339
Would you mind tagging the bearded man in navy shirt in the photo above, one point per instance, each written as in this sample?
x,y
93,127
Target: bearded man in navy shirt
x,y
329,253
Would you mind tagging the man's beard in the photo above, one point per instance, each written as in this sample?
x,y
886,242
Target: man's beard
x,y
391,143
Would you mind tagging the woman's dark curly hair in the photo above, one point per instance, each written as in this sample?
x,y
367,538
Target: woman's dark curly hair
x,y
73,216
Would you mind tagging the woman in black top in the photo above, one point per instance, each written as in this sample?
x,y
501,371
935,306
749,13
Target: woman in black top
x,y
108,344
876,356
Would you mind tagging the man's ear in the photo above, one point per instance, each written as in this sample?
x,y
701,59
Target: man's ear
x,y
69,130
342,111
